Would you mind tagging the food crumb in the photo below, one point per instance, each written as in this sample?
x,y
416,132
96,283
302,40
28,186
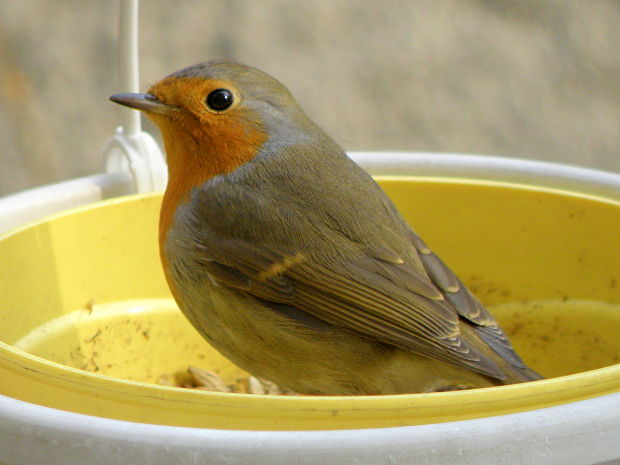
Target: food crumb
x,y
88,306
207,380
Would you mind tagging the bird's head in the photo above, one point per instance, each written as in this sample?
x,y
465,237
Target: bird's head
x,y
215,116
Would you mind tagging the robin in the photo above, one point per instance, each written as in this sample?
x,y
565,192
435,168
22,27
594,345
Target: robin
x,y
292,262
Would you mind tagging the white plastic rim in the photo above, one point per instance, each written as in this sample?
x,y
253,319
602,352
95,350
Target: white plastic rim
x,y
579,433
554,175
30,205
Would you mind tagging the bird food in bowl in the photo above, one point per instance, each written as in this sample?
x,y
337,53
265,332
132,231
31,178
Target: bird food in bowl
x,y
87,322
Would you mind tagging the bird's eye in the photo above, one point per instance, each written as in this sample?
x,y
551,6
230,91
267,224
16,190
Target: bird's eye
x,y
219,99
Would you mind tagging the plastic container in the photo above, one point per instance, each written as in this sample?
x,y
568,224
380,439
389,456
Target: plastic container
x,y
100,303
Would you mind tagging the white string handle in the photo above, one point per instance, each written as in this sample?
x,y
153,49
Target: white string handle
x,y
131,149
128,67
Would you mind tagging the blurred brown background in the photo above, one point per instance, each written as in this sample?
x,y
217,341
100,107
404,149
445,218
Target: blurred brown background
x,y
536,79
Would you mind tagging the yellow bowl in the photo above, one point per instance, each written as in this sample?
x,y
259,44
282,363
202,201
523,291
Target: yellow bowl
x,y
87,323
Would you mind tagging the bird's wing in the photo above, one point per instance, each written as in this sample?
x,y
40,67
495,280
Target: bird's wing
x,y
413,302
386,300
466,304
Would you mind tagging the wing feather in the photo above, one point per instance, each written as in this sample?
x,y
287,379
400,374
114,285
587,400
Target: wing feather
x,y
381,281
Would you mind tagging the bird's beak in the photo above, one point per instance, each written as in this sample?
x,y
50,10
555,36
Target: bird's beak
x,y
143,102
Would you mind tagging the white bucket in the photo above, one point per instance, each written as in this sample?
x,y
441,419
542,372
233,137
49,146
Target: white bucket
x,y
579,433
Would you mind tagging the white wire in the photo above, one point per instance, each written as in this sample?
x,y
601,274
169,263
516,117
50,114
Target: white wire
x,y
128,62
130,149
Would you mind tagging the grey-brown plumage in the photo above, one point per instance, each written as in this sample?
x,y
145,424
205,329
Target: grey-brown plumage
x,y
297,266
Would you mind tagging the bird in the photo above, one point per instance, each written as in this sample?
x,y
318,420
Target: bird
x,y
291,261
